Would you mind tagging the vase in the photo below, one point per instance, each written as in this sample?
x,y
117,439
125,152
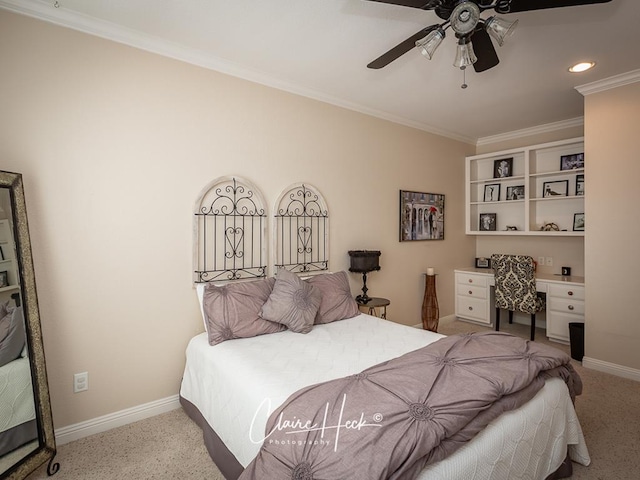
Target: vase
x,y
430,311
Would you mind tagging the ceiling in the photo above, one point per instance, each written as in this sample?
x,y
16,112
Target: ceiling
x,y
320,49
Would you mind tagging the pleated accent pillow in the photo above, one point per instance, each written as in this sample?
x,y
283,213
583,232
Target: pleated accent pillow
x,y
233,310
293,302
337,302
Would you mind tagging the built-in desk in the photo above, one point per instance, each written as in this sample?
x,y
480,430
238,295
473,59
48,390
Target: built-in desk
x,y
565,299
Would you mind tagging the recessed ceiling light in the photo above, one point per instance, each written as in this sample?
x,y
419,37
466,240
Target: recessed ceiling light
x,y
582,67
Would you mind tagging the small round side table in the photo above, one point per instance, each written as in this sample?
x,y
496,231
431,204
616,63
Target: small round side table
x,y
376,303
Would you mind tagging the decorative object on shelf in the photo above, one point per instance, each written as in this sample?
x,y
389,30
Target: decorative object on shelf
x,y
488,222
492,192
572,162
483,262
430,310
511,228
580,184
566,271
421,216
515,192
364,261
550,227
578,222
4,279
557,188
503,168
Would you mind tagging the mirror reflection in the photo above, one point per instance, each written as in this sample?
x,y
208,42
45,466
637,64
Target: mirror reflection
x,y
27,439
18,427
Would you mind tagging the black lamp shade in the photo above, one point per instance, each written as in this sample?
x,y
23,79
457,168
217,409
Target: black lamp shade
x,y
364,261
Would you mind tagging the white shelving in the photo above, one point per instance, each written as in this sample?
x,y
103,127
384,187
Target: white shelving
x,y
526,207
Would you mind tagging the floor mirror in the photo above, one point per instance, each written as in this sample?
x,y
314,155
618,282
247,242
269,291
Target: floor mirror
x,y
27,438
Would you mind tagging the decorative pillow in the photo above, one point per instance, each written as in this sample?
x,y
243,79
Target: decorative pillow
x,y
232,311
337,302
11,346
293,302
5,319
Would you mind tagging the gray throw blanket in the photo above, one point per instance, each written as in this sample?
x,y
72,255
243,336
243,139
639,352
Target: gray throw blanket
x,y
389,421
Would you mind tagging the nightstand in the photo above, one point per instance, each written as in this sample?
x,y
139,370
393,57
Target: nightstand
x,y
376,305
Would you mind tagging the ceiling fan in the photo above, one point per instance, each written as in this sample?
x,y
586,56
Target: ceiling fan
x,y
463,17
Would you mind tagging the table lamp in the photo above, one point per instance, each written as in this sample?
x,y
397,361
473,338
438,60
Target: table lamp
x,y
364,261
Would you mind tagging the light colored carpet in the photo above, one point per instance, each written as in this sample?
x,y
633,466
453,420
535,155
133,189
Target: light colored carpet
x,y
170,446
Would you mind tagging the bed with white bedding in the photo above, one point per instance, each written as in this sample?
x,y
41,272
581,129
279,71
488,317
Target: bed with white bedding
x,y
235,385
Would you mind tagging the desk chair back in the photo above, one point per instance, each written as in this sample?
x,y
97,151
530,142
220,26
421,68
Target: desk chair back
x,y
515,287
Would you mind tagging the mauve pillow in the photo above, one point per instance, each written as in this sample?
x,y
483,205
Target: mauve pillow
x,y
337,302
233,310
12,345
293,302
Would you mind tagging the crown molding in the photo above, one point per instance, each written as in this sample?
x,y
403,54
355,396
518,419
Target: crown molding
x,y
609,83
526,132
47,12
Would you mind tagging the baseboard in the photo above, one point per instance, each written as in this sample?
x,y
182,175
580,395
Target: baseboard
x,y
116,419
612,368
441,321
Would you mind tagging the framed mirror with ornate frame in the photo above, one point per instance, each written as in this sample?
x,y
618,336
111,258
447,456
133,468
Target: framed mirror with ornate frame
x,y
27,438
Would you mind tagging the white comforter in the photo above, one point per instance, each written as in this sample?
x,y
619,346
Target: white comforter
x,y
237,384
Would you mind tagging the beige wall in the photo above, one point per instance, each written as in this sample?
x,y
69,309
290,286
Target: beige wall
x,y
115,144
612,329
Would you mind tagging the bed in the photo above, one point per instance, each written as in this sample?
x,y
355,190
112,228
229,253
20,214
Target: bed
x,y
17,409
268,342
231,388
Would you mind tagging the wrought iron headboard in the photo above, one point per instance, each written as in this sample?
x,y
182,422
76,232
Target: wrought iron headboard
x,y
229,232
301,236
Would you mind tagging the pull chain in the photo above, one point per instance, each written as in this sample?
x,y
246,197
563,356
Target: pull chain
x,y
464,77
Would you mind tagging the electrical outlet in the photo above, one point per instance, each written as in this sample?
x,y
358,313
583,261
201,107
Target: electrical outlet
x,y
80,382
549,262
540,261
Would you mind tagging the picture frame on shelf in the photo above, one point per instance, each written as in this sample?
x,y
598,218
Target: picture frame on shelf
x,y
578,222
556,188
421,216
515,192
579,184
487,222
4,279
572,162
503,168
492,192
483,262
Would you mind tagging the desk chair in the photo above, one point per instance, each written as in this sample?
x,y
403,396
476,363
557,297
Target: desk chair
x,y
515,288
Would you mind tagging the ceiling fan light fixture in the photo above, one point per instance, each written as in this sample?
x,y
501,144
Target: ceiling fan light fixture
x,y
582,67
431,42
499,28
465,55
464,18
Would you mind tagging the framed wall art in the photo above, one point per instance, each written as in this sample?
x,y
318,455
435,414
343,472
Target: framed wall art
x,y
572,162
488,222
515,192
421,216
558,188
579,184
503,168
578,222
492,192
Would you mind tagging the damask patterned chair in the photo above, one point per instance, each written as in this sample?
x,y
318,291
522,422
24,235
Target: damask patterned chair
x,y
515,288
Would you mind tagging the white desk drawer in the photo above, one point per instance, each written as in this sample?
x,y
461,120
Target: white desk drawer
x,y
471,279
575,307
472,291
473,308
566,291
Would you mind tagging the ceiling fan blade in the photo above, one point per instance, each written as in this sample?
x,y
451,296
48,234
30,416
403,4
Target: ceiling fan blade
x,y
400,49
526,5
421,4
484,50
